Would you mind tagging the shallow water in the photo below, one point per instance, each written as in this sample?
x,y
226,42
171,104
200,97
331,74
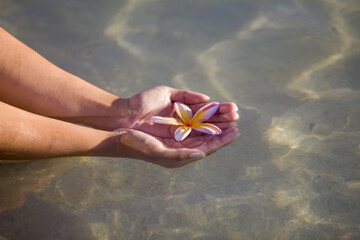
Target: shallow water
x,y
291,66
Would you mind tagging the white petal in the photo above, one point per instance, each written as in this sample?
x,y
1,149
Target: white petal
x,y
205,112
183,111
164,120
181,133
206,128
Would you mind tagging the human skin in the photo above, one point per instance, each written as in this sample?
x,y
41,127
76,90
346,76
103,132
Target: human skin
x,y
39,104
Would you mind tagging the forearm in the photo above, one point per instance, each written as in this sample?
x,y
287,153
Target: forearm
x,y
24,135
30,82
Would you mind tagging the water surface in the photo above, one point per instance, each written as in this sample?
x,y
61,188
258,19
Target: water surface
x,y
291,66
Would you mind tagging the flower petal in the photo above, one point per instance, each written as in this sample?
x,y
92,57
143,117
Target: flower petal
x,y
181,133
205,112
183,111
206,128
164,120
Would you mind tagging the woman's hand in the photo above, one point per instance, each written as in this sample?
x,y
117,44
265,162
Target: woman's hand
x,y
159,101
167,152
24,135
46,93
141,139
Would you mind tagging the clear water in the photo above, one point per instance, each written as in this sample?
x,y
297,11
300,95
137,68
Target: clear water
x,y
293,68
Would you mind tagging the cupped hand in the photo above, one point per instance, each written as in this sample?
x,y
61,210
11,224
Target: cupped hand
x,y
167,152
159,101
140,139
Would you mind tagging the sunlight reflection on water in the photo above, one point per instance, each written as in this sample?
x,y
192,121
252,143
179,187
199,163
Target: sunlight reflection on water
x,y
292,68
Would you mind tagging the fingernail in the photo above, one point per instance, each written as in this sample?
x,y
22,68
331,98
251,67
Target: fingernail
x,y
236,108
237,116
235,135
197,155
206,96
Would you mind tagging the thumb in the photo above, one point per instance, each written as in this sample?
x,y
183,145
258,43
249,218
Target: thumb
x,y
188,97
182,154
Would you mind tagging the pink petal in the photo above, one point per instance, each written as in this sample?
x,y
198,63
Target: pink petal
x,y
164,120
206,128
183,111
181,133
205,112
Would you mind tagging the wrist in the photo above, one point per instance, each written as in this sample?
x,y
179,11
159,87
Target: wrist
x,y
107,116
104,146
117,116
110,145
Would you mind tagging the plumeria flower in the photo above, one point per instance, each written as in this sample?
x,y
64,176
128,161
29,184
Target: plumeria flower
x,y
189,121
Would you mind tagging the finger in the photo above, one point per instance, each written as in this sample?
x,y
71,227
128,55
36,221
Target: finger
x,y
224,117
207,143
177,157
198,139
220,141
221,125
183,155
192,142
223,107
188,97
228,107
225,125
